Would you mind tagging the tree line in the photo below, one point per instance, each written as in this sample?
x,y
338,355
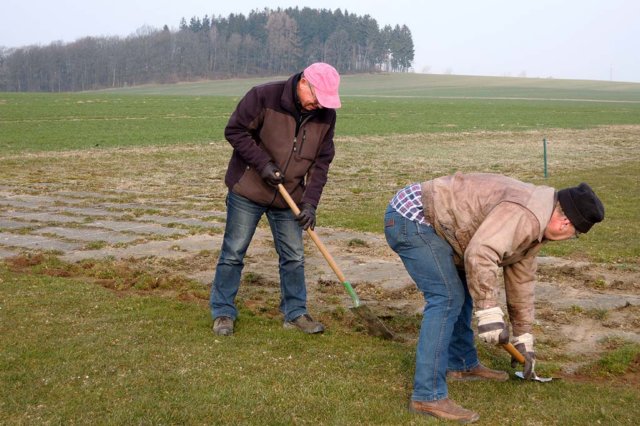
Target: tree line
x,y
267,42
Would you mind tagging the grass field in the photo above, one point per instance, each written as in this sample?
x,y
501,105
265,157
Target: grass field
x,y
373,105
423,86
36,122
74,352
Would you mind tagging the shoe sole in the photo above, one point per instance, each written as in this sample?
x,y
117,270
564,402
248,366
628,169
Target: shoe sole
x,y
476,379
427,414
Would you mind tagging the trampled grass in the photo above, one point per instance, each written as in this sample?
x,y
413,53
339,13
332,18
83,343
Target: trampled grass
x,y
74,352
368,170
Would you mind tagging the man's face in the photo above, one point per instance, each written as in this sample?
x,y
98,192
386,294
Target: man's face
x,y
560,227
307,95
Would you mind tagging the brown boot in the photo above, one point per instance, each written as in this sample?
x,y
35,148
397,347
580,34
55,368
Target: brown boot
x,y
444,409
480,372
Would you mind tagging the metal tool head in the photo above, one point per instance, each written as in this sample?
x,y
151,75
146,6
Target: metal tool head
x,y
375,326
534,377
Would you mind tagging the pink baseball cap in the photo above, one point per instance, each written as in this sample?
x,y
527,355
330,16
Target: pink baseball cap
x,y
325,81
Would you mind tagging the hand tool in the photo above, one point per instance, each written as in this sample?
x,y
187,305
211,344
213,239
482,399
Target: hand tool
x,y
520,358
375,326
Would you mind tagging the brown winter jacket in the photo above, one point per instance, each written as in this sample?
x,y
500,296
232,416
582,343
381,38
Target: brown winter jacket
x,y
267,125
493,222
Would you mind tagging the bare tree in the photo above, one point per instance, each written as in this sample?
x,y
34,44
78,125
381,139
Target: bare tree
x,y
267,42
282,42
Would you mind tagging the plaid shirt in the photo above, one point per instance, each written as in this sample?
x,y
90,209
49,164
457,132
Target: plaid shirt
x,y
408,202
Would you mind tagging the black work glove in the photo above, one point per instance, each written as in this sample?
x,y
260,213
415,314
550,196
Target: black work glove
x,y
307,216
271,174
491,327
524,345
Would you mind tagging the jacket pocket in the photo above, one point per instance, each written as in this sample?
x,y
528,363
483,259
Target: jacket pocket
x,y
252,186
308,147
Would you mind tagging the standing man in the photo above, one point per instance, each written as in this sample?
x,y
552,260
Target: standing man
x,y
453,235
281,132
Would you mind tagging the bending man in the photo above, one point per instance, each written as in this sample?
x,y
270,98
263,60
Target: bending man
x,y
453,235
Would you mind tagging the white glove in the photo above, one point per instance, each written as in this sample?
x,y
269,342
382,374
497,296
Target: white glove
x,y
524,345
491,328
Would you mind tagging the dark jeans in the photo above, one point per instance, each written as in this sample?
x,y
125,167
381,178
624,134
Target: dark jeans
x,y
243,216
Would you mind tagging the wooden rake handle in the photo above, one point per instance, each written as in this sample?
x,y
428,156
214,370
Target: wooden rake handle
x,y
313,235
514,352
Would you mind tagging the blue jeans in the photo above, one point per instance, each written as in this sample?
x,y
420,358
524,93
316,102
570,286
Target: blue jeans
x,y
243,216
446,337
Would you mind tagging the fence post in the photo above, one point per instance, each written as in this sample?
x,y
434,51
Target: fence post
x,y
544,145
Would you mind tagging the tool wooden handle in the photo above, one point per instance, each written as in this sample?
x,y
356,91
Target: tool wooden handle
x,y
327,255
313,235
285,194
514,352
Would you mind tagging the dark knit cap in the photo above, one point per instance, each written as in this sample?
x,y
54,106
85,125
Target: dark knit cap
x,y
582,206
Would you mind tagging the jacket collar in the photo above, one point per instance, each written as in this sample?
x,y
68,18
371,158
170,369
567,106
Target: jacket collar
x,y
289,100
541,204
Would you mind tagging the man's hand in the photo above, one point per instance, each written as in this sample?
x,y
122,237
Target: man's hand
x,y
307,216
491,328
271,174
524,345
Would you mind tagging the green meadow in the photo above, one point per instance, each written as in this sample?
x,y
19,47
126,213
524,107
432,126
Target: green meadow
x,y
373,105
74,352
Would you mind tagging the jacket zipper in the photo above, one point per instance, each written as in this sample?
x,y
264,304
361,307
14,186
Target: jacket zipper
x,y
293,151
295,143
304,137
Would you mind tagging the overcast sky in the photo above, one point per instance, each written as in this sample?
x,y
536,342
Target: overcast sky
x,y
579,39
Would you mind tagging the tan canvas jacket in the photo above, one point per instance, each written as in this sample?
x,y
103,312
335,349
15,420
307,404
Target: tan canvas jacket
x,y
493,222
